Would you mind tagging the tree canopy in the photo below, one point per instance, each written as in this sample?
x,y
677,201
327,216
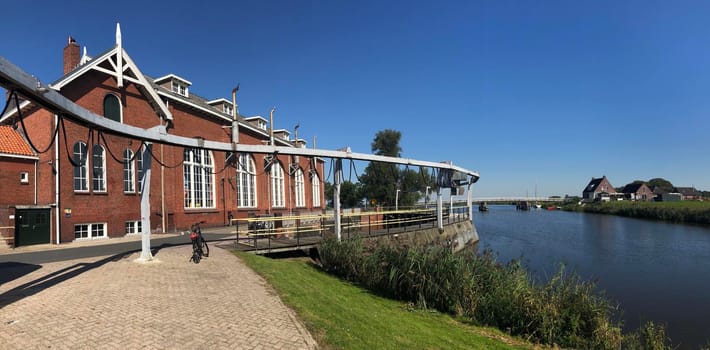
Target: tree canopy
x,y
662,183
380,181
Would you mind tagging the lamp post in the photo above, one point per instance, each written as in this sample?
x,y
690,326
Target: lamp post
x,y
396,200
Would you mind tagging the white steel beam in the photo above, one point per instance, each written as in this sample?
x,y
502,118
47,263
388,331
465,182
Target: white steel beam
x,y
13,78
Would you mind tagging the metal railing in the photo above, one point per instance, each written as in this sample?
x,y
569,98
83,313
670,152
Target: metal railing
x,y
264,234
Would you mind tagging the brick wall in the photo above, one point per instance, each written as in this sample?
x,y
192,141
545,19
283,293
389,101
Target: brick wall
x,y
114,207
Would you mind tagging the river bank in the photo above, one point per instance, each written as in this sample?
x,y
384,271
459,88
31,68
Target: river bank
x,y
686,212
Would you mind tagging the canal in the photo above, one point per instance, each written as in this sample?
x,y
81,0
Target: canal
x,y
654,270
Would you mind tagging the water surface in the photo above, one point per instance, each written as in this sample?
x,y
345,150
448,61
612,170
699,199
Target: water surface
x,y
654,270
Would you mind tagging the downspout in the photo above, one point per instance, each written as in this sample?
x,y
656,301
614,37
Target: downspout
x,y
164,216
35,199
164,220
56,180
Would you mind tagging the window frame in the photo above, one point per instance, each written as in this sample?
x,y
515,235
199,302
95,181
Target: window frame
x,y
134,227
129,171
198,179
246,182
278,192
120,107
89,231
83,169
315,189
299,188
98,182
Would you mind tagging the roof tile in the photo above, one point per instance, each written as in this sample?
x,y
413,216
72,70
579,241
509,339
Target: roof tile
x,y
11,142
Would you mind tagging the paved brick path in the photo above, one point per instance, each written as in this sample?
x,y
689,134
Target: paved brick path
x,y
117,303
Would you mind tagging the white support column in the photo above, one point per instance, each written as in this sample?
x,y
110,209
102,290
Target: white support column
x,y
451,202
336,195
469,200
146,255
439,208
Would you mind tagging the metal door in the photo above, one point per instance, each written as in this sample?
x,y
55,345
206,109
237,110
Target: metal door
x,y
32,227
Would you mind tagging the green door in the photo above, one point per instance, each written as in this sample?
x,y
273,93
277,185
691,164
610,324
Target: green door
x,y
32,226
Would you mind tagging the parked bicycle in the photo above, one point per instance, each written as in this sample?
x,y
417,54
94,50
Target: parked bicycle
x,y
199,244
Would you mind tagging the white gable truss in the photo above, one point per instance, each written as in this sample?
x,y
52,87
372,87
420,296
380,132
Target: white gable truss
x,y
119,65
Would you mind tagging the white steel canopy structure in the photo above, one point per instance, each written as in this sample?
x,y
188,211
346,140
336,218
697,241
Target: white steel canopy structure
x,y
116,63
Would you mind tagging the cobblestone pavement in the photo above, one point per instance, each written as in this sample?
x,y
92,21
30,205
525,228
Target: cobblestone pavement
x,y
169,303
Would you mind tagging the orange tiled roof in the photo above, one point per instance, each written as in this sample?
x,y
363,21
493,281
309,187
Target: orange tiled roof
x,y
11,142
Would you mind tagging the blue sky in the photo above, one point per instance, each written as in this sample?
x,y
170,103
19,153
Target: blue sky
x,y
532,94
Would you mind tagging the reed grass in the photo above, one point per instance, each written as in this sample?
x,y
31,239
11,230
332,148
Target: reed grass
x,y
564,311
689,212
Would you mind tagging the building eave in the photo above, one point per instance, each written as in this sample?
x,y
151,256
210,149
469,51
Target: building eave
x,y
183,100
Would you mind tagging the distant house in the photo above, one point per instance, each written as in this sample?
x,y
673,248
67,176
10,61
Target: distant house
x,y
658,191
637,192
598,189
688,193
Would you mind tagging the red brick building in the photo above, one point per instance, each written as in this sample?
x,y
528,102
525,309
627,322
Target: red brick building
x,y
91,179
598,189
18,203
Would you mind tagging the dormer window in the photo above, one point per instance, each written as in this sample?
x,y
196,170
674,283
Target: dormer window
x,y
175,84
227,109
257,121
179,88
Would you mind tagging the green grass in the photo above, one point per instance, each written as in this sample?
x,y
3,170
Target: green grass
x,y
341,315
690,212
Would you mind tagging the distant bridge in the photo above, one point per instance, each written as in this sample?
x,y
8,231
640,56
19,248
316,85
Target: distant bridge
x,y
514,199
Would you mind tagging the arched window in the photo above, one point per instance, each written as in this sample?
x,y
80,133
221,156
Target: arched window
x,y
81,172
98,163
277,185
315,187
198,176
300,189
112,108
129,172
246,181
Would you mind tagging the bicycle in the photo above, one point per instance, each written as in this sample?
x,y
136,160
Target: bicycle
x,y
200,248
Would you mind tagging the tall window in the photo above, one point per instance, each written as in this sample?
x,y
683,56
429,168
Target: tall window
x,y
315,186
98,163
198,178
81,172
246,181
277,185
129,172
112,108
300,189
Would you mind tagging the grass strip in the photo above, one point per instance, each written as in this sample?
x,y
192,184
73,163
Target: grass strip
x,y
341,315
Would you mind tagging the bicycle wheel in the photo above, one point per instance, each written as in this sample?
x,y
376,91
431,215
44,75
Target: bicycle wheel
x,y
205,249
196,252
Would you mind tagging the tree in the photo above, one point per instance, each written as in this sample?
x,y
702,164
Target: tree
x,y
350,193
661,183
380,181
635,182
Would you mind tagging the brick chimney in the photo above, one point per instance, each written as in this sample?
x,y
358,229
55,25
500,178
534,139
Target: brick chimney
x,y
72,55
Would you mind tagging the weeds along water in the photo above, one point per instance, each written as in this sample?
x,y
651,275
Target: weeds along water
x,y
563,311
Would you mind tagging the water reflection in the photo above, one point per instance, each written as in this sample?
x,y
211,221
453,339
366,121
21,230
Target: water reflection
x,y
656,271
